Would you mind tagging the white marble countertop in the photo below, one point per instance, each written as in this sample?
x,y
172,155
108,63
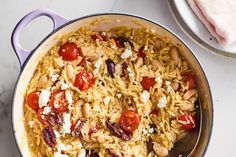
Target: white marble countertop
x,y
220,71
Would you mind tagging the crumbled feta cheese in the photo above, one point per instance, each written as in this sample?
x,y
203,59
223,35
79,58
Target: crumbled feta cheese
x,y
158,79
119,95
144,96
82,153
57,134
162,102
130,72
56,105
44,98
46,110
127,53
54,77
61,147
69,97
58,154
145,48
169,88
31,124
66,123
64,86
97,65
106,100
151,130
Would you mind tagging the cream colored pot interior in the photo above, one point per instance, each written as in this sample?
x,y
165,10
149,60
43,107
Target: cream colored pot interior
x,y
106,22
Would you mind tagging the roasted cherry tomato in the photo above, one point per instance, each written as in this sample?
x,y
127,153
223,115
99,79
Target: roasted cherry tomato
x,y
188,121
83,63
84,80
142,53
189,77
69,51
40,116
99,36
93,130
58,101
32,100
147,82
72,127
129,121
154,111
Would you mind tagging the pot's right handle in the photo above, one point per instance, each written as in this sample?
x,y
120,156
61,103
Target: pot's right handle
x,y
22,53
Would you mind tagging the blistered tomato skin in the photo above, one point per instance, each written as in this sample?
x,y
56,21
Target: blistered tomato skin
x,y
69,51
190,78
142,53
129,121
40,116
84,80
188,122
32,100
147,82
58,101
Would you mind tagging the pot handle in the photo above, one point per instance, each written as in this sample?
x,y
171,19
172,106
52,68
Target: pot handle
x,y
22,53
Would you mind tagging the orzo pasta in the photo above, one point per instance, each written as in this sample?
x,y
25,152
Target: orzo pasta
x,y
123,92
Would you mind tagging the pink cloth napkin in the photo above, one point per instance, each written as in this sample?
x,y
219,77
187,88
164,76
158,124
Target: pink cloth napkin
x,y
219,17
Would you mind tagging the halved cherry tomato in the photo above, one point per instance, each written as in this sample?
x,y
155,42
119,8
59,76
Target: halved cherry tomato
x,y
69,51
154,111
83,63
99,37
189,77
93,130
32,100
58,101
147,82
72,127
142,52
129,121
188,121
84,80
40,116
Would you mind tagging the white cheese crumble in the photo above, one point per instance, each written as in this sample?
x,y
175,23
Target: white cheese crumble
x,y
126,54
46,110
54,77
64,86
31,124
158,79
57,134
44,98
162,102
61,147
58,154
97,65
106,100
56,105
144,96
66,123
169,88
69,98
82,153
119,95
130,72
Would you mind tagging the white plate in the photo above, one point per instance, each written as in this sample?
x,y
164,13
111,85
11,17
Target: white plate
x,y
191,25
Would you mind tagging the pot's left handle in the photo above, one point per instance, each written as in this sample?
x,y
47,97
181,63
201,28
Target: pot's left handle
x,y
22,53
